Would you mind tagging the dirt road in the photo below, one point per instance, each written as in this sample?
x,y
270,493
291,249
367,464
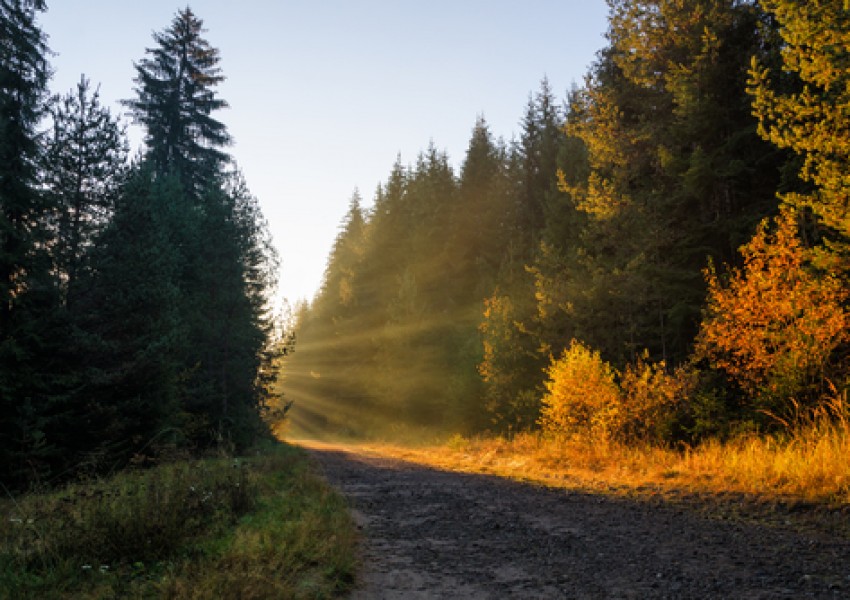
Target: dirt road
x,y
434,534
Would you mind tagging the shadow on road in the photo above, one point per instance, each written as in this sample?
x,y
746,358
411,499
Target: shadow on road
x,y
429,533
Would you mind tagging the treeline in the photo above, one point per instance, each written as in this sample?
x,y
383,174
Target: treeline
x,y
133,293
586,277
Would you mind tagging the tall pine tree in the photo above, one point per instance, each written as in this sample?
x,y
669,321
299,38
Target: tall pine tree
x,y
218,234
85,164
176,98
28,290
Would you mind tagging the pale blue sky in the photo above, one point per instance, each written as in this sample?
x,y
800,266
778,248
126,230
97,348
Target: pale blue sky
x,y
324,94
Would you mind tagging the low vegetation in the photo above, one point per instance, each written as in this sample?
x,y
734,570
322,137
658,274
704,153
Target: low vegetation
x,y
804,467
260,526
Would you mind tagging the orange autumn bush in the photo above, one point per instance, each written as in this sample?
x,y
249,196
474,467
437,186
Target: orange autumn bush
x,y
774,324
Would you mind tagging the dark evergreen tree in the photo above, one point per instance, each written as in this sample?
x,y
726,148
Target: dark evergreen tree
x,y
23,81
176,97
28,290
225,296
514,346
559,278
481,225
82,168
537,149
131,326
85,164
224,263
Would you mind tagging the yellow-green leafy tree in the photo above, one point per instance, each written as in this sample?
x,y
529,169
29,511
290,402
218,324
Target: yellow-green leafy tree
x,y
813,120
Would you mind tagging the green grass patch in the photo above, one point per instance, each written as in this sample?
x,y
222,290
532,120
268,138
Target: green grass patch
x,y
261,526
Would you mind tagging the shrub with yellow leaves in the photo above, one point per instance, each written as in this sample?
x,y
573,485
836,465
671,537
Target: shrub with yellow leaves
x,y
653,402
582,396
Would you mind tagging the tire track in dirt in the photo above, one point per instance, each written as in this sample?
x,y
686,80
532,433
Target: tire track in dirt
x,y
436,534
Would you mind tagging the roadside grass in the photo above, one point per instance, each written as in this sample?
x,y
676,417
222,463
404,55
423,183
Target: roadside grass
x,y
806,469
260,526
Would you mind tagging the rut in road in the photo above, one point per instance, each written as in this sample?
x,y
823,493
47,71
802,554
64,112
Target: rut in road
x,y
436,534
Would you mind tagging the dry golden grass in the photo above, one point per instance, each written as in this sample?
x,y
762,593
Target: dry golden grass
x,y
808,465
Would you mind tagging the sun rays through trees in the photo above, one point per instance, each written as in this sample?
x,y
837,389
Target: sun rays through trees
x,y
658,258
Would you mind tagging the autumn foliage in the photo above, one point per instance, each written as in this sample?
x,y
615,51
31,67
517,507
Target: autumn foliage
x,y
654,402
582,396
775,323
587,397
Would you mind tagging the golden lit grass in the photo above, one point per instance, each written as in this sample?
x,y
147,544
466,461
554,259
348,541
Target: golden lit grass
x,y
258,527
810,465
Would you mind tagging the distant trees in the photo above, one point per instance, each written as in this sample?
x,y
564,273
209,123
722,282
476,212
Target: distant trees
x,y
134,314
393,334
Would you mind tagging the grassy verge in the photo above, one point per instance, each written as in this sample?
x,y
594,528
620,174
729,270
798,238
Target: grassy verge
x,y
801,478
262,526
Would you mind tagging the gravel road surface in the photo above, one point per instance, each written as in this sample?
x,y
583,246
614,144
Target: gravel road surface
x,y
435,534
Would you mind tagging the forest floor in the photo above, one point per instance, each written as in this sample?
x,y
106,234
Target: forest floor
x,y
434,533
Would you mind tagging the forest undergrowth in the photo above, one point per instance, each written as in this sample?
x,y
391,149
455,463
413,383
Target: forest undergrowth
x,y
258,526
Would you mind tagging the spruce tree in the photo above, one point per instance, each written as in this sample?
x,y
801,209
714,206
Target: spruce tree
x,y
538,148
176,98
27,288
224,262
226,288
513,351
85,164
480,225
24,75
131,326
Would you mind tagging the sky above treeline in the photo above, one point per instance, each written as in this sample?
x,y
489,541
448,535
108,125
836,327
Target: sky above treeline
x,y
325,94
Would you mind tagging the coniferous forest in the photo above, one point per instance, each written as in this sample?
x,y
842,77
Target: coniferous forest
x,y
660,254
133,289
